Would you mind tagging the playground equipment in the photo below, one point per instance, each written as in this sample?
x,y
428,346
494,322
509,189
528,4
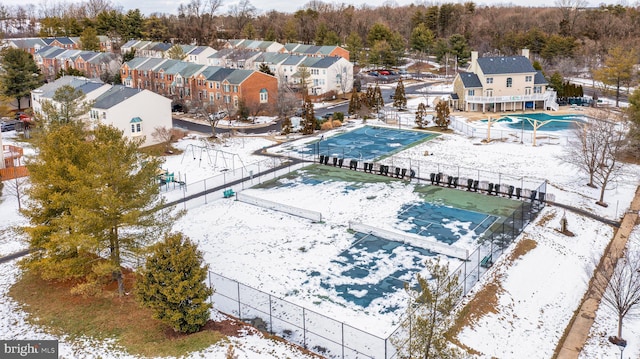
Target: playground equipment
x,y
206,149
165,178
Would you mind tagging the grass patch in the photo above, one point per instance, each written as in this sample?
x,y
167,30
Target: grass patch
x,y
484,302
50,304
523,247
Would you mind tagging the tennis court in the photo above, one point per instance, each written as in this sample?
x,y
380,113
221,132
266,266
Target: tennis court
x,y
367,143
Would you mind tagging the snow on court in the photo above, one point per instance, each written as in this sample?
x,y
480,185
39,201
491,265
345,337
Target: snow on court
x,y
277,253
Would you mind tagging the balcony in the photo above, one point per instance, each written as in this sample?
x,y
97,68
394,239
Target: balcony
x,y
503,99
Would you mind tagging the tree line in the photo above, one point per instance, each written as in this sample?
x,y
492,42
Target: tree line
x,y
568,36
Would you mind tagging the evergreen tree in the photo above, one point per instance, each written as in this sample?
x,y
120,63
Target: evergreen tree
x,y
377,101
354,102
430,312
67,104
19,74
265,69
89,39
93,199
309,125
399,97
176,53
442,115
421,113
286,126
172,284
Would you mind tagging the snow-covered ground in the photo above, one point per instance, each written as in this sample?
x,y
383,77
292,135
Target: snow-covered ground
x,y
277,253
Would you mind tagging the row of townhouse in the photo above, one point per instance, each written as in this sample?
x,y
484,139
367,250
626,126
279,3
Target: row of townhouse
x,y
324,74
33,44
52,59
201,85
502,83
199,54
135,112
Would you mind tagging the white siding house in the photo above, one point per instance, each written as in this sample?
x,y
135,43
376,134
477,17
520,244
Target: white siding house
x,y
135,112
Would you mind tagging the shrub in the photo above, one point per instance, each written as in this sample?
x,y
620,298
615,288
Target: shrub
x,y
326,125
336,123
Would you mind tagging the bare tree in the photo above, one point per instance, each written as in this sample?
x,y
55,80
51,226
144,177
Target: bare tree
x,y
197,21
242,14
16,187
619,284
163,135
601,140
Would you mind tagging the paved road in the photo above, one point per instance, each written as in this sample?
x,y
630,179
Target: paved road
x,y
197,127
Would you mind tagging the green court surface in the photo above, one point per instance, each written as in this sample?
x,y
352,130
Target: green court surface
x,y
470,201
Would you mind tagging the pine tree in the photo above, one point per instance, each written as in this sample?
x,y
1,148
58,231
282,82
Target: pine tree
x,y
309,126
89,39
19,74
286,126
354,103
377,102
68,104
442,115
421,113
399,97
430,313
172,284
93,199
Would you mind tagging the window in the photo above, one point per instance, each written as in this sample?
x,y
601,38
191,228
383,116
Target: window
x,y
489,80
264,96
235,88
226,88
509,82
218,85
527,90
528,78
488,93
136,125
235,101
227,99
537,89
471,93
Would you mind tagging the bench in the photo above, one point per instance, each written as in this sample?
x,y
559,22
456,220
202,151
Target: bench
x,y
228,193
487,261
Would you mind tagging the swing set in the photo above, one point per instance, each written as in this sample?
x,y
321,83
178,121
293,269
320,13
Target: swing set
x,y
212,155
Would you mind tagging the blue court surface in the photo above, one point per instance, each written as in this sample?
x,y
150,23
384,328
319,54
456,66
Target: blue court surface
x,y
443,223
557,122
367,143
374,267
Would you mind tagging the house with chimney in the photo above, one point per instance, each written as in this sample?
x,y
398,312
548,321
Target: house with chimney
x,y
502,83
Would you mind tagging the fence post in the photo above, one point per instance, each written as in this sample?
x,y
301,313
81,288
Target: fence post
x,y
205,191
270,316
239,305
304,330
479,263
342,340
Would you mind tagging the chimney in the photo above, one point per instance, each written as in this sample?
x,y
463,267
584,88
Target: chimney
x,y
525,53
473,65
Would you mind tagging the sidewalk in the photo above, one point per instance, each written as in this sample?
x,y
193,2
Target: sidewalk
x,y
580,327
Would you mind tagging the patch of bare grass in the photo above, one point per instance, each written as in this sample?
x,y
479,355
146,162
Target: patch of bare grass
x,y
523,247
51,305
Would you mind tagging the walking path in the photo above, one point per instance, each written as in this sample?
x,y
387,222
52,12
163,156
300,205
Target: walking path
x,y
580,325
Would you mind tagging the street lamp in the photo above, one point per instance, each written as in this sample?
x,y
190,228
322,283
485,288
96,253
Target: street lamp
x,y
620,343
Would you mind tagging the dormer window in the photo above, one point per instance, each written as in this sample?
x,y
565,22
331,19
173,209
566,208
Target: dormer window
x,y
136,125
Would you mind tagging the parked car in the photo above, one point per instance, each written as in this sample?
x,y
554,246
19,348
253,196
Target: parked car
x,y
8,125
